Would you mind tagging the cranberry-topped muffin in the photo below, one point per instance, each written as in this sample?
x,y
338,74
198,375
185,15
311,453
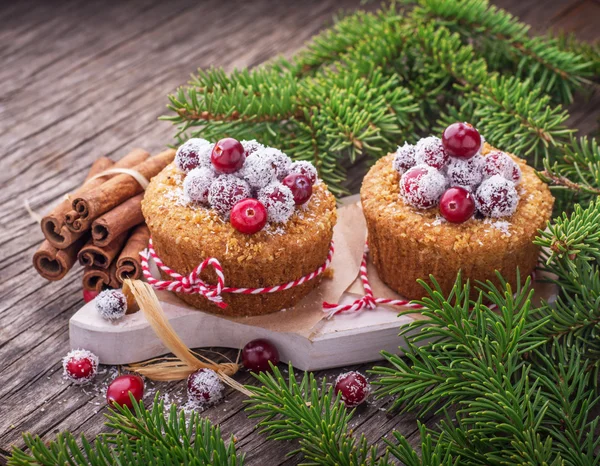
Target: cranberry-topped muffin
x,y
267,220
449,204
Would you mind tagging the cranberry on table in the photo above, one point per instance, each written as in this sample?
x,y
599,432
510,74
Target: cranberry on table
x,y
80,366
354,388
461,140
248,216
228,155
257,354
119,389
204,387
89,295
457,205
300,186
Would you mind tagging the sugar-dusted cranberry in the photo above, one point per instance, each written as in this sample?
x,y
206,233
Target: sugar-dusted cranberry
x,y
279,161
228,155
496,197
300,186
457,205
430,151
197,183
119,389
204,387
248,216
257,171
500,163
405,158
279,201
467,173
461,140
193,153
422,186
80,366
257,355
305,168
225,192
354,388
89,295
111,304
252,146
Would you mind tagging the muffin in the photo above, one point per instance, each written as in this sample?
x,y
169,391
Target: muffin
x,y
439,208
267,220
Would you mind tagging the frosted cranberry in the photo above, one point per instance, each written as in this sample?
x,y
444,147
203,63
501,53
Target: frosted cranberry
x,y
457,205
500,163
461,140
280,162
405,158
228,155
204,387
80,366
300,186
496,197
248,216
466,173
430,151
257,171
305,168
111,304
422,186
197,183
353,387
225,192
119,389
257,355
89,295
252,146
193,153
279,201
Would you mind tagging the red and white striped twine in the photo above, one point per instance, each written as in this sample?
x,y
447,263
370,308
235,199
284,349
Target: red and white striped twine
x,y
368,301
193,284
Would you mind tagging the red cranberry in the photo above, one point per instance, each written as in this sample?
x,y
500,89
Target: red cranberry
x,y
279,201
119,389
300,186
248,216
500,163
354,388
225,192
257,354
497,197
228,155
305,168
80,366
457,205
405,158
204,387
193,153
461,140
422,186
89,295
430,151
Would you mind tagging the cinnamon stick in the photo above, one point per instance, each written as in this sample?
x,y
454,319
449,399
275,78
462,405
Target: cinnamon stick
x,y
96,279
55,224
128,263
92,204
92,255
52,263
117,221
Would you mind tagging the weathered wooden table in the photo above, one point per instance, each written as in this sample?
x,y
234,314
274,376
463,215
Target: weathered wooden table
x,y
84,79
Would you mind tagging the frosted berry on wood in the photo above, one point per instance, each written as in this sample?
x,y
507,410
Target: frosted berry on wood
x,y
257,354
461,140
192,154
111,304
429,151
225,192
496,197
228,155
422,186
305,168
248,216
405,158
279,201
457,205
204,387
80,366
197,183
300,186
353,387
500,163
119,389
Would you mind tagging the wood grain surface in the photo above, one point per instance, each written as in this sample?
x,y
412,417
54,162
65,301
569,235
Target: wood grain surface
x,y
85,79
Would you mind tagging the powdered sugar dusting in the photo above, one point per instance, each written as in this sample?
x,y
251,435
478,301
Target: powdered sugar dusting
x,y
225,192
79,354
279,161
502,225
257,171
500,163
193,153
204,387
111,304
430,151
305,168
279,201
497,197
251,146
466,173
422,186
197,183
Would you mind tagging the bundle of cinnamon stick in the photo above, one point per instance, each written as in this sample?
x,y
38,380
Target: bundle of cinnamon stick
x,y
100,225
